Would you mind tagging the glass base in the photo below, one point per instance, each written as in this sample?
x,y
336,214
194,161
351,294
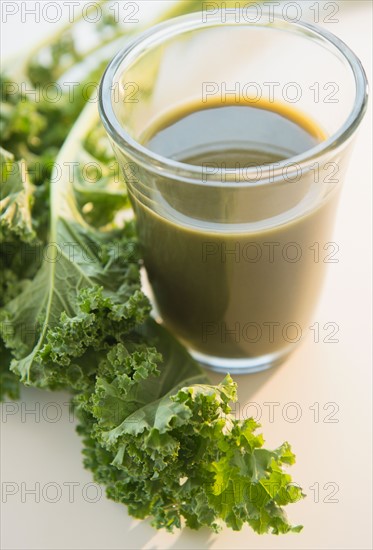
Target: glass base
x,y
240,366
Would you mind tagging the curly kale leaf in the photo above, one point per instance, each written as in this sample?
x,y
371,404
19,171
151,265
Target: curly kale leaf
x,y
17,241
99,188
85,298
177,454
9,382
16,199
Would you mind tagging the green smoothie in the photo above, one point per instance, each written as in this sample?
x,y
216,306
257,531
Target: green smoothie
x,y
234,268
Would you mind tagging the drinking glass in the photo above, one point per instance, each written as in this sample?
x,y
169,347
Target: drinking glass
x,y
235,257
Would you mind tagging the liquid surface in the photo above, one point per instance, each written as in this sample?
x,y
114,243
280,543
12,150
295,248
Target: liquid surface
x,y
235,135
222,291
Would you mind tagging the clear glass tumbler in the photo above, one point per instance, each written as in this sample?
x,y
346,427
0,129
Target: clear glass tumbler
x,y
235,256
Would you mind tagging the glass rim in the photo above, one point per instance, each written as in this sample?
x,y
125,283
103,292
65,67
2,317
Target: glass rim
x,y
270,173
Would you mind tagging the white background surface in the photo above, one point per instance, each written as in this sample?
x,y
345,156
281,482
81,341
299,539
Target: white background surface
x,y
35,450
